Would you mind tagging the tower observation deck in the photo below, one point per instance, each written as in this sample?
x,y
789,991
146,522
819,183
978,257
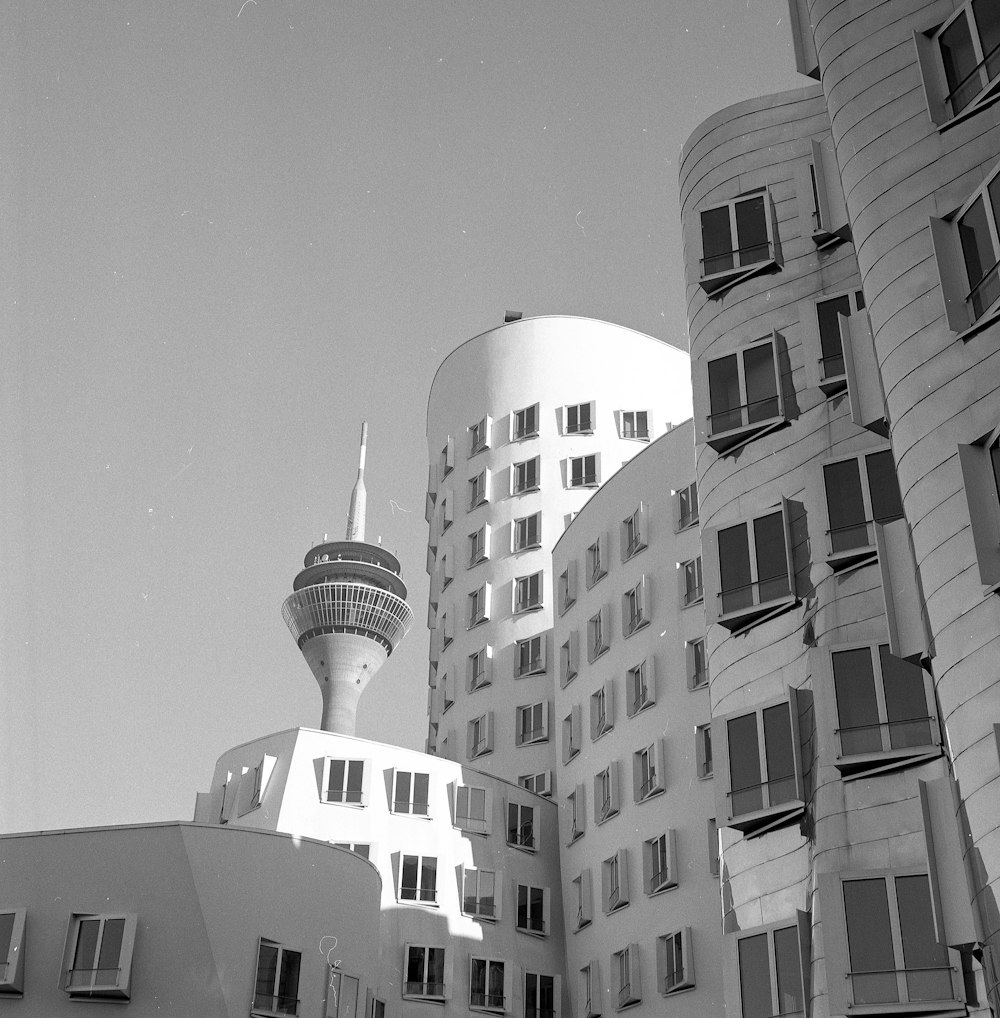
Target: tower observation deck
x,y
347,612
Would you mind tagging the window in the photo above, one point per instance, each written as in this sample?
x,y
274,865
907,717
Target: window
x,y
425,972
521,825
584,896
598,635
480,741
762,772
579,419
635,424
487,984
583,471
410,793
658,868
981,478
532,909
884,719
530,656
377,1008
749,567
625,966
528,592
744,395
446,700
647,772
772,962
697,664
614,881
827,343
687,506
418,879
860,492
591,991
447,570
344,781
479,669
572,739
12,950
447,512
567,587
602,710
540,783
479,893
479,605
533,723
447,630
633,533
528,532
703,750
713,847
576,800
675,962
525,422
479,489
478,547
342,995
640,688
479,435
473,808
694,589
606,793
276,988
524,476
881,946
737,241
539,996
569,658
448,457
597,561
357,847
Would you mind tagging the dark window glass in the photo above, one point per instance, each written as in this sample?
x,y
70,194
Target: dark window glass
x,y
857,706
787,973
869,939
959,60
761,383
734,568
772,563
408,888
829,334
928,975
846,506
905,701
744,765
355,773
420,786
403,791
751,230
724,394
778,754
717,241
288,982
987,14
755,977
428,879
267,971
6,932
111,949
883,486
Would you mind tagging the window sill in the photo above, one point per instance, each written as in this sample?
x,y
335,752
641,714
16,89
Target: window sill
x,y
586,484
632,630
538,934
863,765
695,600
663,888
718,283
652,794
763,820
97,993
724,442
987,98
693,687
476,622
566,605
746,618
349,805
600,653
578,431
853,558
530,849
526,435
471,830
476,917
582,926
484,1009
609,816
418,996
414,901
567,679
627,1005
941,1008
979,325
636,711
676,989
825,239
681,527
631,554
527,609
526,491
478,561
834,385
528,547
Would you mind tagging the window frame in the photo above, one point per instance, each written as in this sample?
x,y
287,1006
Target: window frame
x,y
649,781
812,341
12,962
525,476
479,679
525,842
625,425
363,793
627,983
569,658
607,803
337,996
478,601
479,547
479,489
566,597
602,710
715,284
491,913
692,582
640,679
592,990
598,634
597,560
467,822
447,457
539,1012
657,880
614,882
580,427
536,662
419,890
532,781
634,532
410,803
528,592
667,945
424,984
586,479
684,520
276,996
546,910
572,734
732,969
703,751
577,800
480,435
584,899
479,737
489,1004
524,423
636,607
535,735
981,484
691,654
524,541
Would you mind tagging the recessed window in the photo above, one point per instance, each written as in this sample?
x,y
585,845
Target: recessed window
x,y
703,750
487,984
647,772
341,995
12,923
635,425
479,893
576,800
361,848
448,457
658,867
276,987
446,630
830,357
540,783
532,909
524,476
479,606
590,991
472,808
737,241
567,587
521,825
633,533
583,471
635,608
447,570
572,738
425,969
446,700
447,512
714,852
687,506
614,881
525,422
602,707
771,964
597,561
479,669
478,547
981,479
625,967
480,735
529,656
343,781
694,588
744,394
598,634
697,664
539,996
528,532
579,419
675,961
569,661
411,793
532,723
528,593
583,895
479,489
479,435
639,687
418,879
606,803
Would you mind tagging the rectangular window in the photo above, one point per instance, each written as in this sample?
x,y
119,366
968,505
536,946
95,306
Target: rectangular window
x,y
528,532
276,988
480,735
524,476
597,563
446,700
582,892
703,750
357,847
539,996
12,923
577,813
687,506
697,664
713,847
736,241
447,630
860,492
583,471
479,893
567,587
479,435
675,961
418,879
635,608
633,533
528,593
532,905
479,606
579,419
602,710
532,723
478,551
832,366
647,772
744,393
448,457
569,659
424,972
447,570
479,492
525,422
530,656
479,669
771,967
614,881
486,985
625,966
635,425
606,793
447,512
411,793
694,589
571,735
341,995
471,809
598,635
540,783
640,687
521,825
981,479
344,781
969,48
658,868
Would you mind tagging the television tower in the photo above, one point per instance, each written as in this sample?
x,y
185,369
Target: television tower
x,y
347,612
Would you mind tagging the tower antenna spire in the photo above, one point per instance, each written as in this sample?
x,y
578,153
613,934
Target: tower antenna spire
x,y
356,513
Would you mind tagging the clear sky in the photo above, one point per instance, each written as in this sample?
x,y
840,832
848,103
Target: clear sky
x,y
230,232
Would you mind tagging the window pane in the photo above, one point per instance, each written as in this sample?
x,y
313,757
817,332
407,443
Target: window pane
x,y
987,14
724,394
883,487
857,706
403,790
355,774
420,783
959,59
415,969
751,230
86,951
772,563
755,977
716,240
408,887
846,506
869,939
905,701
734,568
428,879
6,932
921,951
787,972
111,948
761,383
336,784
778,754
267,972
288,982
435,968
977,249
829,334
744,765
477,803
